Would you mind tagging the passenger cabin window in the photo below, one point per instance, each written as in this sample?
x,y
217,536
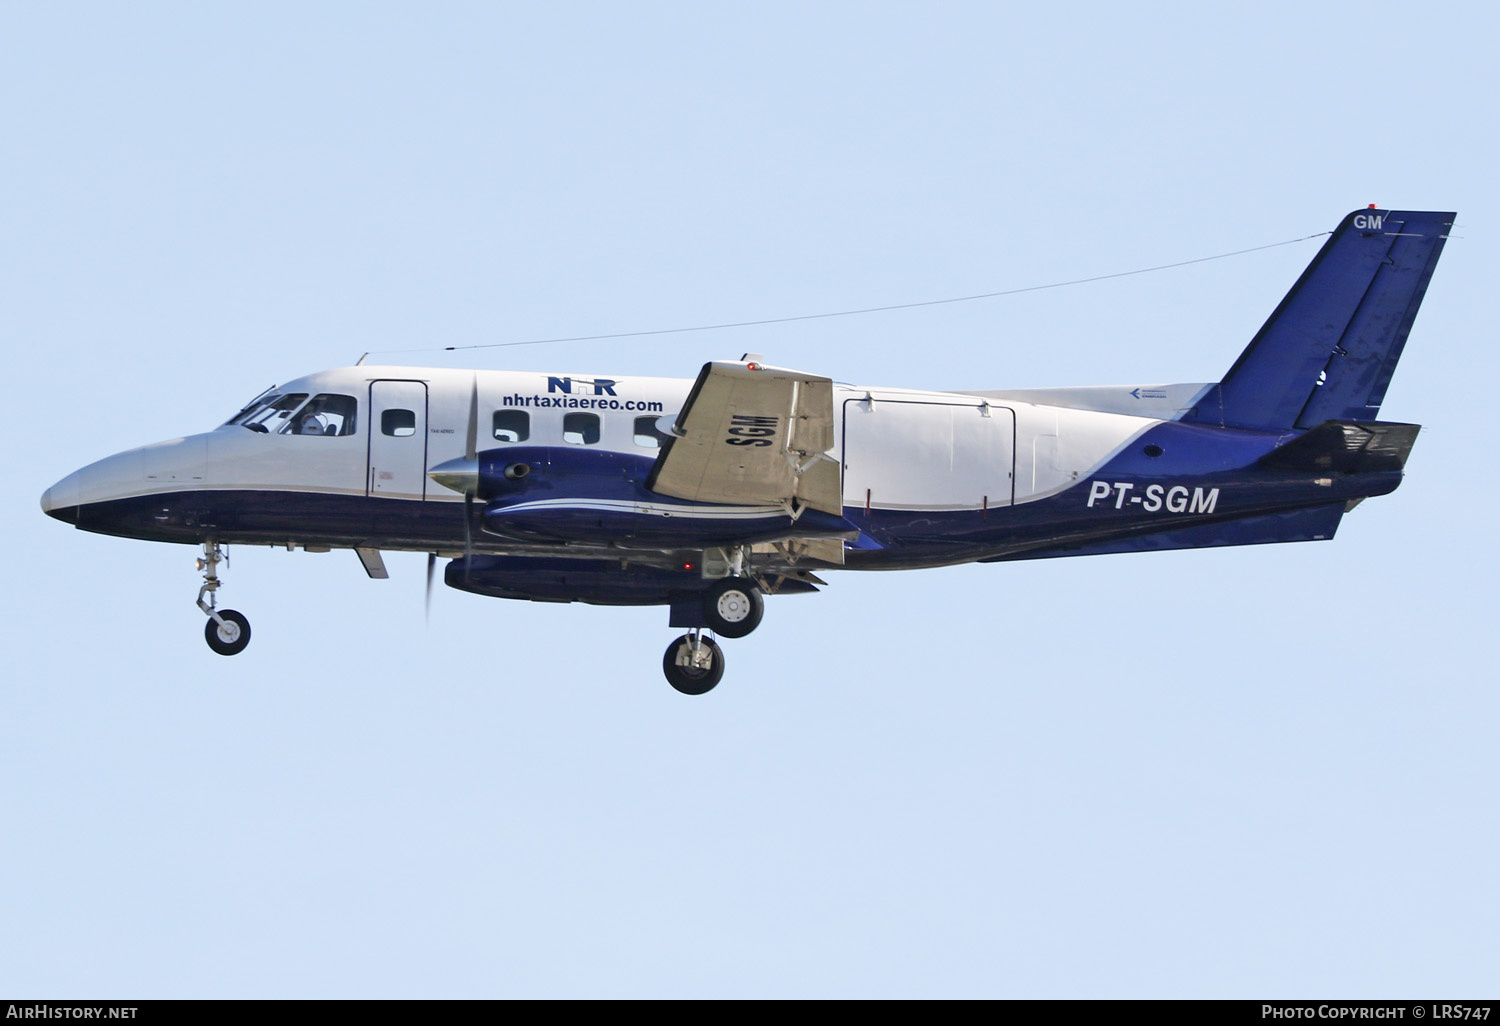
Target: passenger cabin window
x,y
275,414
581,428
398,423
512,425
326,414
648,435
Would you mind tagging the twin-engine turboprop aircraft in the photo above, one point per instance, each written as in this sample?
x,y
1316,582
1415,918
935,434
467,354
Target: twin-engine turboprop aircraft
x,y
704,496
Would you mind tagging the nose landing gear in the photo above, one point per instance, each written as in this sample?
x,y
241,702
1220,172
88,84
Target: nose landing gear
x,y
227,631
229,634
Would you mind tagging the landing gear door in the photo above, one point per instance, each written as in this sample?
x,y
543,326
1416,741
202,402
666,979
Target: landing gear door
x,y
398,440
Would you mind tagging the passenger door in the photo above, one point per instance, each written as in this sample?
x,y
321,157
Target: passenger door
x,y
398,440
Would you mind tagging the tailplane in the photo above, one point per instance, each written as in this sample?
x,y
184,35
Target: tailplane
x,y
1330,348
1347,447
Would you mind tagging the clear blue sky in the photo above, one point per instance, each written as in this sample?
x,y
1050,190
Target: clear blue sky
x,y
1257,772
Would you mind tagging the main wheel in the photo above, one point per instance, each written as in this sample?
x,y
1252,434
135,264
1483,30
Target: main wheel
x,y
733,607
230,637
687,679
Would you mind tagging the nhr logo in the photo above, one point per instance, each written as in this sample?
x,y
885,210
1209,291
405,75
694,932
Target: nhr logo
x,y
1155,498
602,386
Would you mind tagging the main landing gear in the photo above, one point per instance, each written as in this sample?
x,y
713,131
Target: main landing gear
x,y
227,631
693,664
732,608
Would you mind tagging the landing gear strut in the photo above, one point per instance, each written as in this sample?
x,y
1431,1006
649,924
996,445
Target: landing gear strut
x,y
227,631
693,664
731,607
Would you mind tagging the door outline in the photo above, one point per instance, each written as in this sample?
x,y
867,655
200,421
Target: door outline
x,y
978,407
374,422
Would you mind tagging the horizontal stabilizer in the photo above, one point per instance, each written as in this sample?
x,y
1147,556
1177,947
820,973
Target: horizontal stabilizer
x,y
1347,447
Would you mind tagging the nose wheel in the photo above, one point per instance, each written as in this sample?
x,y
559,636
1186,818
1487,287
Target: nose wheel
x,y
229,634
227,631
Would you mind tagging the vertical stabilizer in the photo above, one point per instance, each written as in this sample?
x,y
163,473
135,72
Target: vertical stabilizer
x,y
1331,346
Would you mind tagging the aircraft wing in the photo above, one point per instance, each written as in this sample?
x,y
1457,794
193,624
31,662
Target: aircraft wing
x,y
753,434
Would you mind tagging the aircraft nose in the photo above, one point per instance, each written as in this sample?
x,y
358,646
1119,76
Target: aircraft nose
x,y
61,500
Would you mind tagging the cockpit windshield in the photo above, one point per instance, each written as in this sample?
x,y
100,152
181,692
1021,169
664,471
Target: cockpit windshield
x,y
254,405
271,412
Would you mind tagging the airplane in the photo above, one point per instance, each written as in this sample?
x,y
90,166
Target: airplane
x,y
752,480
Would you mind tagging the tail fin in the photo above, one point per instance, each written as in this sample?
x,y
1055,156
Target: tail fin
x,y
1328,351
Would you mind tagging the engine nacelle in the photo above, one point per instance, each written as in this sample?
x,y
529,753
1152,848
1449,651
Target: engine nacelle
x,y
598,581
545,579
555,471
566,493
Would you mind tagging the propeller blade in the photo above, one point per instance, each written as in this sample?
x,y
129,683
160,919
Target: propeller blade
x,y
471,440
431,565
468,539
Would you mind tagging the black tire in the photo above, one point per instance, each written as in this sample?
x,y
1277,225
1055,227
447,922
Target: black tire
x,y
686,679
232,637
733,607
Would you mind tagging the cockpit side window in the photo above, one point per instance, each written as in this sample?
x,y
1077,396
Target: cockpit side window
x,y
273,414
326,415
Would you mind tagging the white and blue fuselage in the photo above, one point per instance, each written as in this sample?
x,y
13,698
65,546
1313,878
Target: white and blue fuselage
x,y
928,478
703,494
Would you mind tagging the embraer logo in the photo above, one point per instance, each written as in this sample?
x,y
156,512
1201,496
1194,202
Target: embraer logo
x,y
1176,499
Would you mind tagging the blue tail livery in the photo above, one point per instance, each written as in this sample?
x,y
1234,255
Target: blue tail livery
x,y
1329,349
706,495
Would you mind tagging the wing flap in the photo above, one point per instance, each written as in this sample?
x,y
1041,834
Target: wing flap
x,y
750,433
